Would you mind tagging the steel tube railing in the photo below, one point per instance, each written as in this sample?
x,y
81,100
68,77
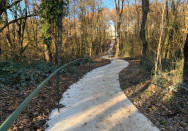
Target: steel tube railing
x,y
8,122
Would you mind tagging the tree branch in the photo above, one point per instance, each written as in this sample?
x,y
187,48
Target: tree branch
x,y
9,6
13,21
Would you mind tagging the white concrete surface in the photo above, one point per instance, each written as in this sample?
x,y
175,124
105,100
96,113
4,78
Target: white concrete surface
x,y
111,47
96,103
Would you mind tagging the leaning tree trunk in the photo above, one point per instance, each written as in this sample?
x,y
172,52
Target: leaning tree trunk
x,y
145,10
185,71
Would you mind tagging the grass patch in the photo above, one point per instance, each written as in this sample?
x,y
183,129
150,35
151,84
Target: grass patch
x,y
125,87
148,93
182,124
163,122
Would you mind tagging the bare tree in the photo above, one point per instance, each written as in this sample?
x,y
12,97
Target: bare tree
x,y
145,10
119,11
158,65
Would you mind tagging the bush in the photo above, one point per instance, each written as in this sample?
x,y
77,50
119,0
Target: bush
x,y
148,66
171,78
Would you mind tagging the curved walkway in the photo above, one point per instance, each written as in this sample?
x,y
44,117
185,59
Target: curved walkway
x,y
96,103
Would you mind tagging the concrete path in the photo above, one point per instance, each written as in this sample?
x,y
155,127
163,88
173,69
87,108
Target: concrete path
x,y
96,103
111,47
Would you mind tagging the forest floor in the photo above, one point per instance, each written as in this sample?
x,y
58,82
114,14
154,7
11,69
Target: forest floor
x,y
97,103
168,110
36,114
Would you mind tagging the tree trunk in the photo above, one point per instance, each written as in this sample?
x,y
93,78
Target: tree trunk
x,y
119,12
118,39
9,42
0,49
48,54
59,44
185,70
158,65
145,10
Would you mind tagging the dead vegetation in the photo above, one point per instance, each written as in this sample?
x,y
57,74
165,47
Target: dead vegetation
x,y
167,109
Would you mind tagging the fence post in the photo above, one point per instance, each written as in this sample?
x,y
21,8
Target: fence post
x,y
58,91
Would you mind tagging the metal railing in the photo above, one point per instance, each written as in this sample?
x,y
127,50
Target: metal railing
x,y
8,122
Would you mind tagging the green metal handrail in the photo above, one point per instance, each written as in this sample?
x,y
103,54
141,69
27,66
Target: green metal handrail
x,y
8,122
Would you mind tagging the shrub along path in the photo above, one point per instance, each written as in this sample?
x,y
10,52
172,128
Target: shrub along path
x,y
96,103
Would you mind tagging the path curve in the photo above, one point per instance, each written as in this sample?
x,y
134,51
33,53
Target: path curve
x,y
96,103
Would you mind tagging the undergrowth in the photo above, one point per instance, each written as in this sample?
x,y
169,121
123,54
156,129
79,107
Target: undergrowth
x,y
21,74
171,78
18,75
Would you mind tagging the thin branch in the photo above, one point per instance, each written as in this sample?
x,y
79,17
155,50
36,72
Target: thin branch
x,y
122,7
24,48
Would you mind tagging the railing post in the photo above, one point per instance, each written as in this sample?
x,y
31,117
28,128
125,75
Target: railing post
x,y
58,91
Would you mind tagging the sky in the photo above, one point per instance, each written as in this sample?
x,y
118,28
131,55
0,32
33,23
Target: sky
x,y
108,4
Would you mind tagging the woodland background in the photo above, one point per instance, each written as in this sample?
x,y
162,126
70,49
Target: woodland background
x,y
59,31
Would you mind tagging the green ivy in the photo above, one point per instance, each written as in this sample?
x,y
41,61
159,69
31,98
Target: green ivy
x,y
50,12
25,73
19,75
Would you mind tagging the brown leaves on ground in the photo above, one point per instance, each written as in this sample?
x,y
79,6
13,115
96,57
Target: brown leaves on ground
x,y
35,115
168,110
